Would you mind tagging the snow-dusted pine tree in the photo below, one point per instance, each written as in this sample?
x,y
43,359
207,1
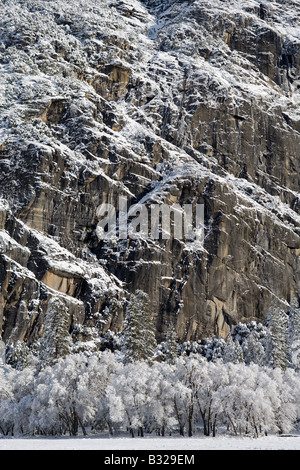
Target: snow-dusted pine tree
x,y
294,335
277,339
233,352
138,341
56,342
2,352
171,344
253,350
17,354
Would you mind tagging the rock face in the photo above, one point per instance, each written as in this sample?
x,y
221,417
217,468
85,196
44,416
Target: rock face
x,y
170,102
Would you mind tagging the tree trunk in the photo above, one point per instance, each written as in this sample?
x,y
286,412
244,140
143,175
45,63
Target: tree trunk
x,y
214,427
129,421
190,420
82,427
179,419
205,428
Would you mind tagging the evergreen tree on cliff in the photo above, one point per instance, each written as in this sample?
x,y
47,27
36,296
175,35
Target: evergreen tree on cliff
x,y
138,342
56,342
277,339
171,344
294,335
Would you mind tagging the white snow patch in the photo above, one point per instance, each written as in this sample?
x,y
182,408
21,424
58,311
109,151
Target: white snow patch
x,y
149,443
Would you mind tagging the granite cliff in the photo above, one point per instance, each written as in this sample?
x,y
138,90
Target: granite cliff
x,y
159,101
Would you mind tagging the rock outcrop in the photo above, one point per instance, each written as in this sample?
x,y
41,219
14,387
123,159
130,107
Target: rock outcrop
x,y
161,102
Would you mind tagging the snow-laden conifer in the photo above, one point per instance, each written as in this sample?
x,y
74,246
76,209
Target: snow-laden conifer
x,y
294,335
138,342
56,341
277,338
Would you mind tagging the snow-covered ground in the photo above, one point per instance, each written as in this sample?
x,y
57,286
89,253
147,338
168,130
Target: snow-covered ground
x,y
161,444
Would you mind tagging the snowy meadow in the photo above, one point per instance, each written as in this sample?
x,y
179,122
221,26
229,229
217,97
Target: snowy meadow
x,y
167,446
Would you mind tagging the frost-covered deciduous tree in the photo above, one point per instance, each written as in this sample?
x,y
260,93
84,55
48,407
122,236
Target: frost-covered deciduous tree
x,y
286,388
251,400
138,342
100,375
184,393
160,410
23,391
67,394
7,401
198,388
129,396
213,378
